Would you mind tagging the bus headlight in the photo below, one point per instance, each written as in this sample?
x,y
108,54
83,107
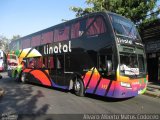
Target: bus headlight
x,y
124,84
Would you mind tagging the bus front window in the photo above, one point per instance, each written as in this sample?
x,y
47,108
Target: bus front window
x,y
132,64
129,64
141,63
124,27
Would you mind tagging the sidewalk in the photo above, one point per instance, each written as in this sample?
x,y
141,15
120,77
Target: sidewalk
x,y
153,89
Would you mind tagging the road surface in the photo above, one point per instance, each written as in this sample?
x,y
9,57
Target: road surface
x,y
32,99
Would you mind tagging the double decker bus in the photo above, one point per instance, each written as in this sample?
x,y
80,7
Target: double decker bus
x,y
100,53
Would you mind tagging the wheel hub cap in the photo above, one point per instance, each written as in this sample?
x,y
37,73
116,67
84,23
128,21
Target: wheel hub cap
x,y
77,86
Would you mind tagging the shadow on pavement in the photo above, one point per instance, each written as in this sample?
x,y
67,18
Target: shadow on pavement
x,y
20,99
106,99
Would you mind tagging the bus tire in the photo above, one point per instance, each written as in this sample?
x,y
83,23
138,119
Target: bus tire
x,y
23,77
78,87
17,77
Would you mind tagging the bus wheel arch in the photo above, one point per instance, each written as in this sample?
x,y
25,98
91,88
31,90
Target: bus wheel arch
x,y
78,86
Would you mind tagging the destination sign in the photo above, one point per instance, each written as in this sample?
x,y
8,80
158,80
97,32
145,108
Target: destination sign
x,y
129,41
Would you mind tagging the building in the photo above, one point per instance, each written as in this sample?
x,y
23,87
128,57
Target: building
x,y
151,38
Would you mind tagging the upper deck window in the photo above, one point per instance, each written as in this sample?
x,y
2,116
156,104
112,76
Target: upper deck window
x,y
36,40
47,37
96,26
78,28
26,43
75,30
61,34
124,27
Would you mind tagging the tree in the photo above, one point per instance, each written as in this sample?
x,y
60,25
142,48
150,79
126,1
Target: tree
x,y
15,37
4,43
136,10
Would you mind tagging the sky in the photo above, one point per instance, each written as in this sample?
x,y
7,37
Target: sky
x,y
24,17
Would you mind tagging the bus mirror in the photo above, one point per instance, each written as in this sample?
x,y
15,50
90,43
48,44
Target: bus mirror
x,y
109,65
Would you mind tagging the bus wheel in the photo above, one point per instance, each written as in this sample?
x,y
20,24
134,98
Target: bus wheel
x,y
23,77
79,87
17,77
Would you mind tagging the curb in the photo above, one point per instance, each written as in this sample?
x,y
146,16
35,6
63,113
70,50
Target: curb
x,y
1,92
154,87
151,94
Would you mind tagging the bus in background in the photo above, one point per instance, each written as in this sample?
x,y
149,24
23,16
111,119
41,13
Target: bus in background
x,y
12,63
3,61
100,53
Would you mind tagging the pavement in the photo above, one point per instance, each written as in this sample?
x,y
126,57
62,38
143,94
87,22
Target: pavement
x,y
153,89
1,92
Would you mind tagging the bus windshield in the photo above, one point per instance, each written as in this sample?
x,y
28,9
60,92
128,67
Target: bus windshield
x,y
12,61
131,64
124,27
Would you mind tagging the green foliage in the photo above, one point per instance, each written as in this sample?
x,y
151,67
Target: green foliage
x,y
4,43
15,37
136,10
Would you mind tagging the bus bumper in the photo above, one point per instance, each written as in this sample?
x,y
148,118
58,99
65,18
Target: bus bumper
x,y
126,90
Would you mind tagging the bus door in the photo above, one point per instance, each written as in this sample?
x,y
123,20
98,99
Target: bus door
x,y
60,76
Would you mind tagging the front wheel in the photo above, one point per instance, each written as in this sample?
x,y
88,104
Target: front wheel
x,y
17,77
79,87
23,77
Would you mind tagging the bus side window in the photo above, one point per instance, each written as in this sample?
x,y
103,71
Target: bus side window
x,y
82,27
61,33
31,63
103,63
68,63
45,62
96,26
60,62
39,62
78,28
51,62
75,30
109,59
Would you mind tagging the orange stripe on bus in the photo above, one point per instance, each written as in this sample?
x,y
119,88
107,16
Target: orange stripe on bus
x,y
27,70
41,77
